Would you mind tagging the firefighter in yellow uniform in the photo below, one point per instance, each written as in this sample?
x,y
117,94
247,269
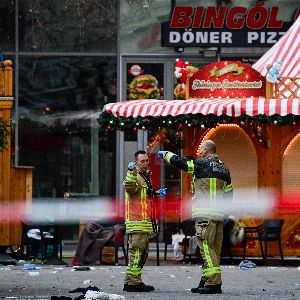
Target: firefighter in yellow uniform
x,y
211,184
139,194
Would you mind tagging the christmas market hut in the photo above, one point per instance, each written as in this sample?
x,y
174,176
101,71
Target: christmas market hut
x,y
254,122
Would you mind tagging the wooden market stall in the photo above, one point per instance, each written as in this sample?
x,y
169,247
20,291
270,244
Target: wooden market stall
x,y
254,162
255,124
15,182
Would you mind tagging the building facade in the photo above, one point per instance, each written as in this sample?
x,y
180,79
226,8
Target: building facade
x,y
70,58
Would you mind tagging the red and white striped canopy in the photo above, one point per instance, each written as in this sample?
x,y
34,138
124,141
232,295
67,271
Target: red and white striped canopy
x,y
218,107
287,49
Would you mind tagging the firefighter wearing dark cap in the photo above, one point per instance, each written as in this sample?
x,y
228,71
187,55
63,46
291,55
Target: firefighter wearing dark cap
x,y
211,185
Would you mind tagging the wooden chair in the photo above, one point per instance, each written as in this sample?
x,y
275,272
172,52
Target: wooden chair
x,y
269,230
111,243
116,242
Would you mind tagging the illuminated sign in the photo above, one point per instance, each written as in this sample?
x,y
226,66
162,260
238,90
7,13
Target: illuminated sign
x,y
223,26
226,79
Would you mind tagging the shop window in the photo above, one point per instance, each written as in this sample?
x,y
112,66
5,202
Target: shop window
x,y
143,81
59,135
7,25
64,25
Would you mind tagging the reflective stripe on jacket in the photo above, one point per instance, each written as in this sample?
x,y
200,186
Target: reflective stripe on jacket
x,y
137,203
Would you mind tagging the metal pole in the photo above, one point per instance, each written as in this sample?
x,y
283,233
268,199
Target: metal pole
x,y
16,96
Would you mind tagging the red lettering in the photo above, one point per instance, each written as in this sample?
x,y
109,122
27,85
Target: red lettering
x,y
273,22
182,17
214,18
198,17
236,17
257,17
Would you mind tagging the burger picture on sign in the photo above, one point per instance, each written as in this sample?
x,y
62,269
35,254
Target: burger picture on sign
x,y
144,87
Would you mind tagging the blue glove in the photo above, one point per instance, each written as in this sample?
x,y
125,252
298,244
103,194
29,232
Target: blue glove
x,y
161,154
131,165
162,192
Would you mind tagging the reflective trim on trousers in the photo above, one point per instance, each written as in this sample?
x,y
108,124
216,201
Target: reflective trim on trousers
x,y
134,268
210,270
206,212
207,254
139,227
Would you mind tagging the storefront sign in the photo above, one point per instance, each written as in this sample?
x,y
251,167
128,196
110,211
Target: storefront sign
x,y
226,79
236,26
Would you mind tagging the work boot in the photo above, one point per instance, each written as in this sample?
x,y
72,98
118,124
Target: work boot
x,y
201,285
210,289
141,287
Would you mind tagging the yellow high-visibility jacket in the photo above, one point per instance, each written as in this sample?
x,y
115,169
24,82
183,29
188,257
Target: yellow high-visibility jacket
x,y
138,201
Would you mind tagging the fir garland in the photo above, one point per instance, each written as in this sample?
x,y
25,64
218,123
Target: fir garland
x,y
108,123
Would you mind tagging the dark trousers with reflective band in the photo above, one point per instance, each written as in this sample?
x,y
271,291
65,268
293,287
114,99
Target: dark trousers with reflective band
x,y
137,255
209,239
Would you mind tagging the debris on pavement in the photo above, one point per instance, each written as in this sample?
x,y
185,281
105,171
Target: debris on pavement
x,y
247,264
31,267
81,268
102,295
84,290
92,292
34,273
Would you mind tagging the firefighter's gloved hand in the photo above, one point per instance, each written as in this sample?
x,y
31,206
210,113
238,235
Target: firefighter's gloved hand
x,y
162,192
131,165
161,154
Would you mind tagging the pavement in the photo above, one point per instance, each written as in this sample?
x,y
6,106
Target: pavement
x,y
172,280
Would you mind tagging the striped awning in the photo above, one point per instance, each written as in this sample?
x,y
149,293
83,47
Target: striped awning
x,y
230,107
287,49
